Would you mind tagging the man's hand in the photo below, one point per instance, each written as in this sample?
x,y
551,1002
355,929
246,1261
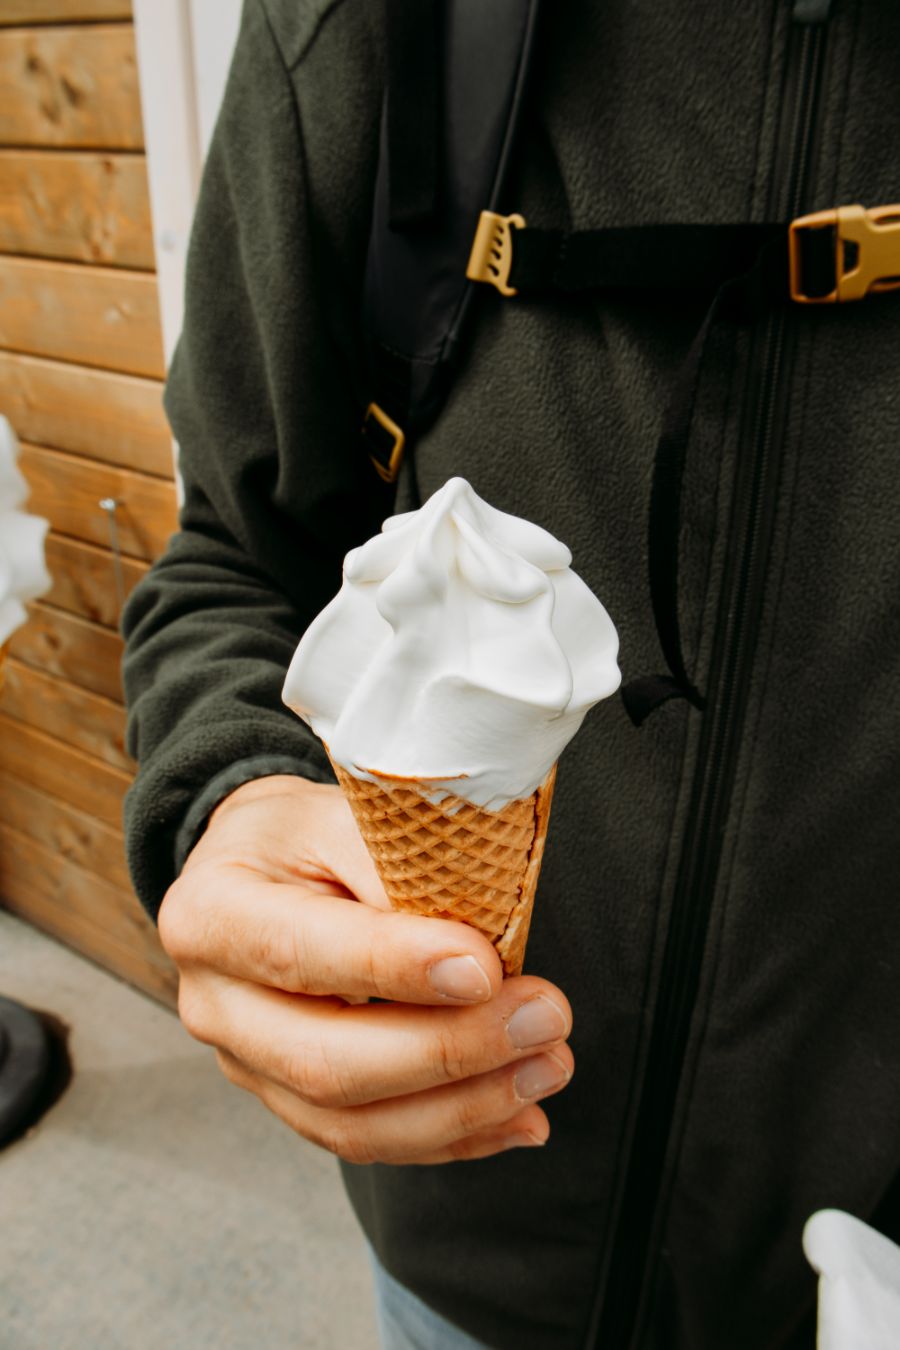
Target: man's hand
x,y
281,930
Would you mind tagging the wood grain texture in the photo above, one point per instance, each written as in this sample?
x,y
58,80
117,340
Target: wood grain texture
x,y
75,716
74,86
80,380
117,419
61,771
74,649
84,579
62,11
85,911
80,207
71,833
67,489
97,316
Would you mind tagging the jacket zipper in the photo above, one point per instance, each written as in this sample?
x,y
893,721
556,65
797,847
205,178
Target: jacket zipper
x,y
616,1322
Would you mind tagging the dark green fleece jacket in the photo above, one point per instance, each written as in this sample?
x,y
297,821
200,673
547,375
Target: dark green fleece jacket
x,y
719,898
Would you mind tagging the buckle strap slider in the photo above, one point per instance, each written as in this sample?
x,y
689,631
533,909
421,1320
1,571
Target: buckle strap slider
x,y
491,256
870,263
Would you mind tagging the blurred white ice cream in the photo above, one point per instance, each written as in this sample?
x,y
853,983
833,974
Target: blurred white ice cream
x,y
859,1282
23,573
461,649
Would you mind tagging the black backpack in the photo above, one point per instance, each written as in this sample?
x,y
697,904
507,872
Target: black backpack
x,y
456,86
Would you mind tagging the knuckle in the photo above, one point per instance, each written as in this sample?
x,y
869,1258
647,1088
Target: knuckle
x,y
333,1093
471,1113
310,1077
382,965
448,1059
462,1149
371,973
346,1081
279,950
345,1137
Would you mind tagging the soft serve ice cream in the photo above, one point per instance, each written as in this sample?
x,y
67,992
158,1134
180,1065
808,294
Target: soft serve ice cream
x,y
23,574
461,652
446,677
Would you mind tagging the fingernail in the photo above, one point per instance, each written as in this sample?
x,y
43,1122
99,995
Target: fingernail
x,y
459,977
536,1022
536,1077
523,1141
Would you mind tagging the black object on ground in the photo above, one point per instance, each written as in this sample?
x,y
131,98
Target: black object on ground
x,y
35,1068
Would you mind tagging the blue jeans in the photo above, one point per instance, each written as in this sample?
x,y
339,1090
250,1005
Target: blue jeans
x,y
406,1323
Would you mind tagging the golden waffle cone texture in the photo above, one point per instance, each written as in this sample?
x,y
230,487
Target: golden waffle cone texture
x,y
455,860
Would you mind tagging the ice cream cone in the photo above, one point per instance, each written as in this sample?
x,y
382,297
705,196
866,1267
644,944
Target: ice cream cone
x,y
461,640
456,860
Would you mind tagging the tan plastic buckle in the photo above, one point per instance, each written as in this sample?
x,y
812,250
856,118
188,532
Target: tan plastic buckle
x,y
390,470
875,233
491,256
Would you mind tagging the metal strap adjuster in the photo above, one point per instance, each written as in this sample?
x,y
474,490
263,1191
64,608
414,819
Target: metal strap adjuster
x,y
385,456
491,256
866,252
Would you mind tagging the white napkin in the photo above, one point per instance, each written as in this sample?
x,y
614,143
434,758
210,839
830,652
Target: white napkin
x,y
23,572
859,1282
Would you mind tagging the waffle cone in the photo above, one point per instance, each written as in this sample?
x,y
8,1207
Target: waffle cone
x,y
456,860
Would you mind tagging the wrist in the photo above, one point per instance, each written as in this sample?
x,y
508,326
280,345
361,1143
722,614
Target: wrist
x,y
269,785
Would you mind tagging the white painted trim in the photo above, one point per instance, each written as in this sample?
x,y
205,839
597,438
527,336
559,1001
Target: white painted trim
x,y
184,50
214,30
172,141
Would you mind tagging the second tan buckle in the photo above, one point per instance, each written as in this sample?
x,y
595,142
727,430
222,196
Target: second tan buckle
x,y
491,256
876,266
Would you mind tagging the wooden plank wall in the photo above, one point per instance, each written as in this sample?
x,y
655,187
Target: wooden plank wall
x,y
81,370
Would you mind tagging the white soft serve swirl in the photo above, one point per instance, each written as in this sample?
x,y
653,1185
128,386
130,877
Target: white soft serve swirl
x,y
461,649
23,573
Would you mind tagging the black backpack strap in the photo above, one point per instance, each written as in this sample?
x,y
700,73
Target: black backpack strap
x,y
661,258
744,297
413,112
440,164
830,256
741,271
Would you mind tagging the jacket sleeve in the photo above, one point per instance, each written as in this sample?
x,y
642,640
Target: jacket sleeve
x,y
264,397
